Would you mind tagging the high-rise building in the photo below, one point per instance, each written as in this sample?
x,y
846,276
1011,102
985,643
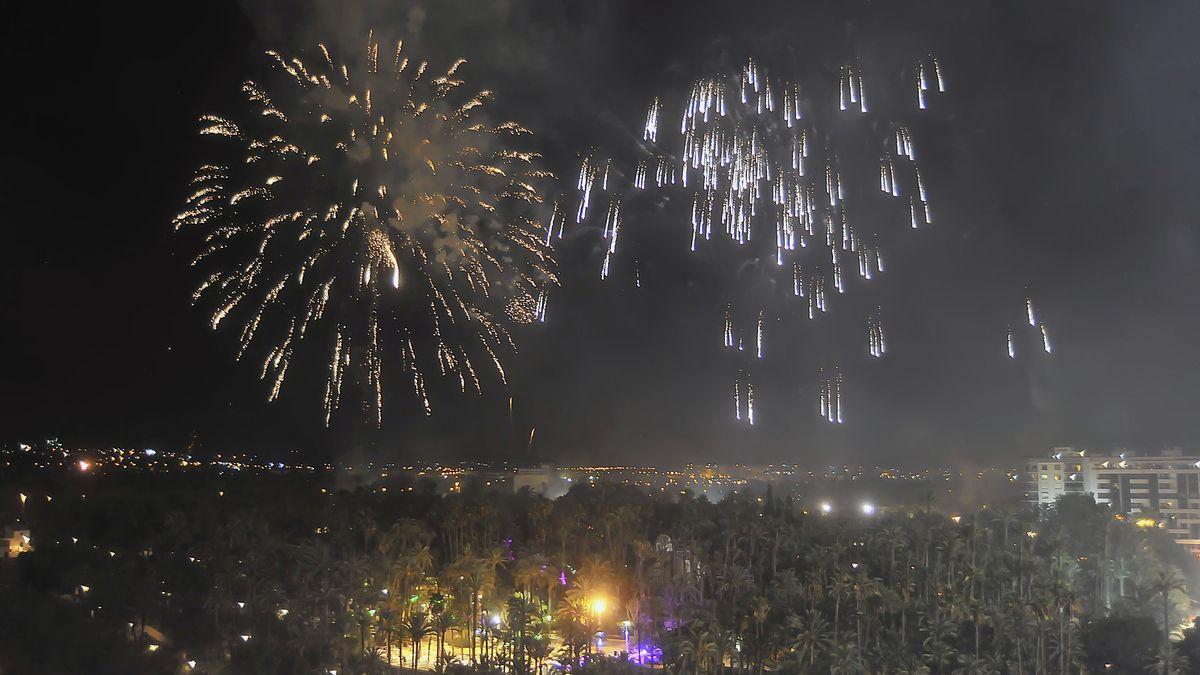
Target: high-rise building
x,y
1158,490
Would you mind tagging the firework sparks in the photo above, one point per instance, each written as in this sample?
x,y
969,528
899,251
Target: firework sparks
x,y
830,395
876,341
747,161
368,201
1037,325
743,399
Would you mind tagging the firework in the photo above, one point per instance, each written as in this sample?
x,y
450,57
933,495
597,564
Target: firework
x,y
830,395
369,208
754,161
1035,321
743,399
928,76
876,341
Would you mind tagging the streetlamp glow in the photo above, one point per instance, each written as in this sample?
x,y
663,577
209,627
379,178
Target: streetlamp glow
x,y
868,509
599,605
826,507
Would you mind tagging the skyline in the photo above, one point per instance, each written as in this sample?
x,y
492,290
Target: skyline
x,y
1061,166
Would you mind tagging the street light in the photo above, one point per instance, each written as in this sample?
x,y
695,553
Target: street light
x,y
868,509
599,605
826,507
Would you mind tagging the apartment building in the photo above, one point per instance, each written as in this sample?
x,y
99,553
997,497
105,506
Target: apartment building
x,y
1163,488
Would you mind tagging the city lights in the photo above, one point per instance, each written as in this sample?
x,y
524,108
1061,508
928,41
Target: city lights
x,y
711,389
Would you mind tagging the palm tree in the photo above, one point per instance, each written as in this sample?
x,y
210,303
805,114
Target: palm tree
x,y
838,584
1169,661
539,650
894,537
698,649
939,653
1164,584
1006,518
975,666
862,587
810,635
1122,570
444,622
417,628
846,660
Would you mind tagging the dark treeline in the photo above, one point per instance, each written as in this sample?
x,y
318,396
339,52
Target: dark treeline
x,y
286,574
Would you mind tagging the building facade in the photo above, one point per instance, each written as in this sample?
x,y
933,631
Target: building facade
x,y
1162,489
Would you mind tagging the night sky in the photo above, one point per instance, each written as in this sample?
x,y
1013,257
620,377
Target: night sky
x,y
1063,160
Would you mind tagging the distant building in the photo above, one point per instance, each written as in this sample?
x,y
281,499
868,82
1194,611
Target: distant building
x,y
536,479
1164,488
18,540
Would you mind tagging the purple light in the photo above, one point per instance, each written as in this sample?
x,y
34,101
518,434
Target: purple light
x,y
562,577
647,652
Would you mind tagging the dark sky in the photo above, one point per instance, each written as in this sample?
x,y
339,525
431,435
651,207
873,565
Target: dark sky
x,y
1063,160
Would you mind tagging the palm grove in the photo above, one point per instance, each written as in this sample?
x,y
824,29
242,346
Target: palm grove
x,y
277,574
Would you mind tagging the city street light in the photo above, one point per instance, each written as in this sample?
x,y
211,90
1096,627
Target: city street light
x,y
826,507
868,509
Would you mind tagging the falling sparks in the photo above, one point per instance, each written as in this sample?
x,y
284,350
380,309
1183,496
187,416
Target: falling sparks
x,y
650,132
830,394
759,336
770,193
928,79
1034,321
743,399
876,341
368,202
